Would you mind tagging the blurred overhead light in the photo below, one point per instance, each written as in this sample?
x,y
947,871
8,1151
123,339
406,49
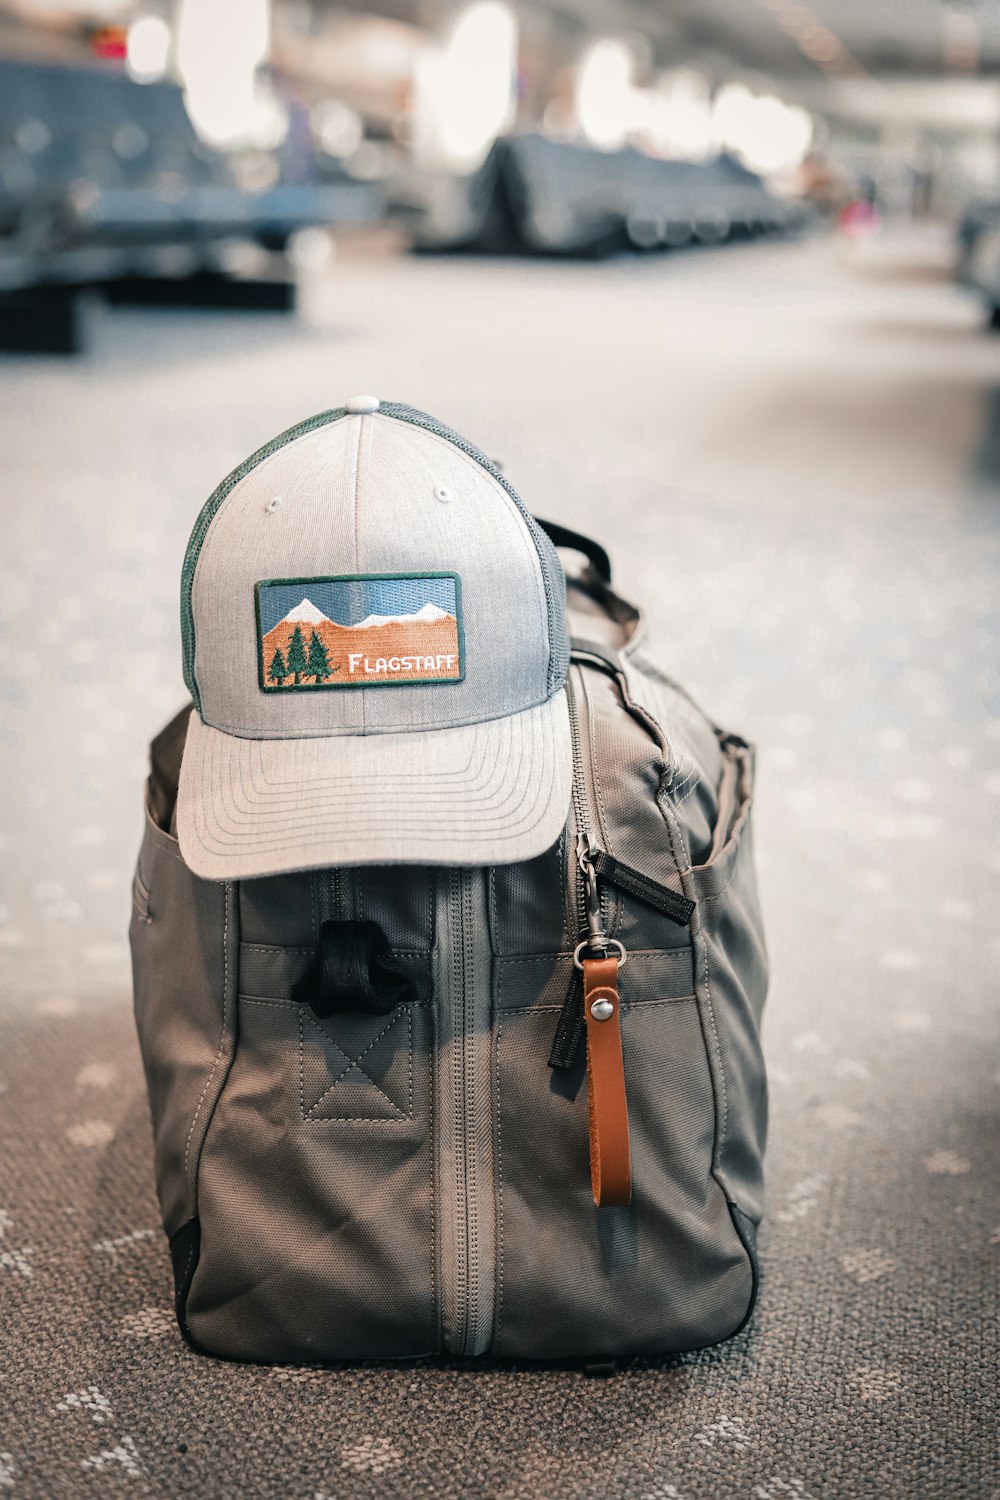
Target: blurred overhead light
x,y
220,47
766,134
605,94
680,112
337,127
464,91
147,49
310,249
369,162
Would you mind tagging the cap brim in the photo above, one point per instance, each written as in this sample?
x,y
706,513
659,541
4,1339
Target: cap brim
x,y
480,794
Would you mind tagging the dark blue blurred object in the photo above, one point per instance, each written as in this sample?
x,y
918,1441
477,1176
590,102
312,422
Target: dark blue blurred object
x,y
977,264
104,182
549,197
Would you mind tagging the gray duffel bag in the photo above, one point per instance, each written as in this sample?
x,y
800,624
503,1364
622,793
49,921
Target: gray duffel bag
x,y
397,1165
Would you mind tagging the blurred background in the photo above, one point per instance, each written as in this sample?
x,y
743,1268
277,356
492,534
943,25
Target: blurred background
x,y
212,152
715,281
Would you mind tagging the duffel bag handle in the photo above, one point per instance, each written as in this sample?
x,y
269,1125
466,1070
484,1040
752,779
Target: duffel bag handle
x,y
563,536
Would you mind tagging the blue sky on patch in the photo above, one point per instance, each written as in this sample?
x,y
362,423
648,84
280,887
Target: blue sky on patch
x,y
349,600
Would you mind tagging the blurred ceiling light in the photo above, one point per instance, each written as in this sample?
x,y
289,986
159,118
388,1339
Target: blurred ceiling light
x,y
148,49
682,116
605,95
310,249
766,134
464,91
336,126
732,113
219,50
369,162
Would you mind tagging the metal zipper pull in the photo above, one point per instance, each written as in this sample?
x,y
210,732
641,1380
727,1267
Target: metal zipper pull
x,y
569,1027
598,938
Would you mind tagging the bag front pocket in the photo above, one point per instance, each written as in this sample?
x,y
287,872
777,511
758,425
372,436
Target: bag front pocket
x,y
315,1188
666,1273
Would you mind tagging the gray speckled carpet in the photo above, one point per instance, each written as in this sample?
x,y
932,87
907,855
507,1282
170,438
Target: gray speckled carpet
x,y
793,453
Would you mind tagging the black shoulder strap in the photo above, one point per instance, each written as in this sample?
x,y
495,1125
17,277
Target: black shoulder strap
x,y
562,536
595,655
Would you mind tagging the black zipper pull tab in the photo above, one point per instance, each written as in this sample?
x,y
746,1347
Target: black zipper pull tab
x,y
569,1027
661,898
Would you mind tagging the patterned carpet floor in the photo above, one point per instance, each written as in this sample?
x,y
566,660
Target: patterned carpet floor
x,y
793,452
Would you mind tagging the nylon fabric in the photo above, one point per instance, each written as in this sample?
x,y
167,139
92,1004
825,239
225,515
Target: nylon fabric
x,y
386,1186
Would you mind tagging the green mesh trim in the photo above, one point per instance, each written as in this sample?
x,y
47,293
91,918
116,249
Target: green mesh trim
x,y
204,521
553,579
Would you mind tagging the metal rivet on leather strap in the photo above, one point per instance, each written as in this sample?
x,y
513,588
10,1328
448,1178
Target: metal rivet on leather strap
x,y
602,1010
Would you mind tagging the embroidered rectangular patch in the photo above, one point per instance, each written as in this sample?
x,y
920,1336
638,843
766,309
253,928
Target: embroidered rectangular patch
x,y
359,630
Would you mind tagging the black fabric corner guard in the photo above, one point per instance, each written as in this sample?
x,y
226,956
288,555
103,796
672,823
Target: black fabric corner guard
x,y
185,1244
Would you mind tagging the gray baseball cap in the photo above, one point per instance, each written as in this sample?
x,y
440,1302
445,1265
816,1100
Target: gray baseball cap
x,y
375,641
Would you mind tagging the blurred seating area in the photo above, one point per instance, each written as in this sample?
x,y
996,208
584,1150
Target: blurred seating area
x,y
104,183
549,197
203,153
978,254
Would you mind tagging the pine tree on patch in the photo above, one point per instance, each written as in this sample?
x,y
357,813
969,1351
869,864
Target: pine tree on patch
x,y
297,662
277,671
319,662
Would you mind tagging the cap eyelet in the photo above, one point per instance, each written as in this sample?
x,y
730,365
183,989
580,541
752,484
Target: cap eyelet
x,y
442,493
272,505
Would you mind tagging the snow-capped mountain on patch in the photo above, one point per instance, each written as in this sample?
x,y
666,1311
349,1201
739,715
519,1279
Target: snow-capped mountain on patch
x,y
426,613
306,613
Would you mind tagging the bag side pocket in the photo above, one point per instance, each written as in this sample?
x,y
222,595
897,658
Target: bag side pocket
x,y
731,975
179,936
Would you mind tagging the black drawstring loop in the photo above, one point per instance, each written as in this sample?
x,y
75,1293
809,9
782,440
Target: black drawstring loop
x,y
352,969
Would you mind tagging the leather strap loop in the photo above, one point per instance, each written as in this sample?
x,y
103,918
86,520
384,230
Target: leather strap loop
x,y
610,1155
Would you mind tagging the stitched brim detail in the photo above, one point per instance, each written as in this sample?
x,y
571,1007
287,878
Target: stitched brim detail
x,y
481,794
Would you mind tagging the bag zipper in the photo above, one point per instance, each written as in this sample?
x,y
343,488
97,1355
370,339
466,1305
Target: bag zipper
x,y
596,868
465,1116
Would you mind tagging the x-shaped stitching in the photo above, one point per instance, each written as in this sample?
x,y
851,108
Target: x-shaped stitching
x,y
355,1062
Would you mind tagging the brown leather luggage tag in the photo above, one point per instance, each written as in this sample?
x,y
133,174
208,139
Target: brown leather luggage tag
x,y
610,1155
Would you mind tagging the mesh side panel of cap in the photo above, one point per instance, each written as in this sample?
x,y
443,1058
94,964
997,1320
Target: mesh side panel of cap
x,y
553,578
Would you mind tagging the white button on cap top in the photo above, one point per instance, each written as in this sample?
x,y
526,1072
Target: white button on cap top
x,y
361,406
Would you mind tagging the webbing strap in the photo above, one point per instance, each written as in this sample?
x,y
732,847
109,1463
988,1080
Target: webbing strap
x,y
352,969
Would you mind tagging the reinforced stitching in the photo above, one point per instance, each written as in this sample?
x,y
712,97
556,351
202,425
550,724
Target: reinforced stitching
x,y
354,1063
222,1037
